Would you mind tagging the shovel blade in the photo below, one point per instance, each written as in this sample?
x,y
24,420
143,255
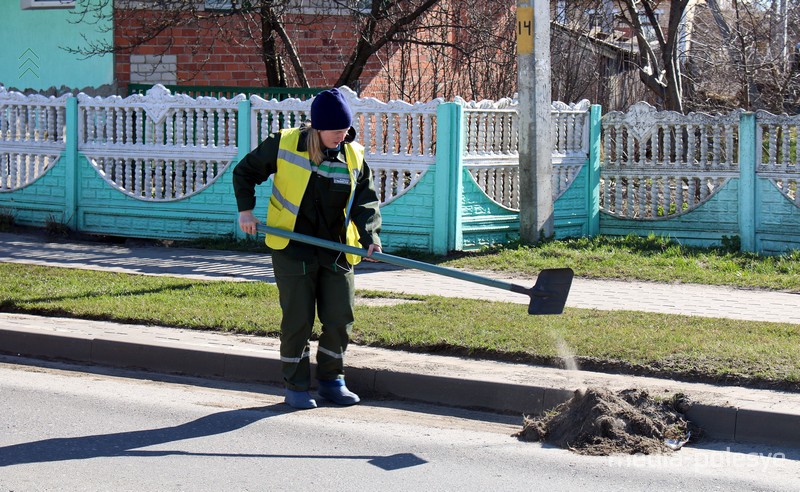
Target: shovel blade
x,y
549,295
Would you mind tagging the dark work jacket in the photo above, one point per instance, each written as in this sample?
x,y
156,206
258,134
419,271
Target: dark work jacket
x,y
321,209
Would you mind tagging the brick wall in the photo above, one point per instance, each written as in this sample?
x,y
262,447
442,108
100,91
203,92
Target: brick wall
x,y
202,57
323,43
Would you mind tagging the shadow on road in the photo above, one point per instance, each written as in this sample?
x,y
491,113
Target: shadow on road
x,y
127,444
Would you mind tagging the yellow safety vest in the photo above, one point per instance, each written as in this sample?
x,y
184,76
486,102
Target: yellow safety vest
x,y
289,185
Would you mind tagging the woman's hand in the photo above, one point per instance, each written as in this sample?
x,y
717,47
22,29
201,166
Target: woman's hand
x,y
248,222
373,248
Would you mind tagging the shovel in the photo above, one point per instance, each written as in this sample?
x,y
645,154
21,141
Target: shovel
x,y
548,296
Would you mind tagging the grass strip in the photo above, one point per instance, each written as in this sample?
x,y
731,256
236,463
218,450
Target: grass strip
x,y
742,352
641,258
652,258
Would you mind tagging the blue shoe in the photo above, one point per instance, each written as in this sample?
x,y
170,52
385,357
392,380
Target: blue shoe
x,y
337,392
300,400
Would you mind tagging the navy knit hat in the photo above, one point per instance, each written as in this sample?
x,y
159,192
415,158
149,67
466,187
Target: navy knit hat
x,y
329,111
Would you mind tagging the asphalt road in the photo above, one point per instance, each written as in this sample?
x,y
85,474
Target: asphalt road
x,y
66,427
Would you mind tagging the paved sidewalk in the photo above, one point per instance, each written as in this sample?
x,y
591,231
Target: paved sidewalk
x,y
730,413
688,299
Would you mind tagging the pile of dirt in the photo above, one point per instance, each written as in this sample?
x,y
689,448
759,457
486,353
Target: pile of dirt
x,y
599,422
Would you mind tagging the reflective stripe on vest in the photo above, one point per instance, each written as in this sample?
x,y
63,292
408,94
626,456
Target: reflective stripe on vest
x,y
289,185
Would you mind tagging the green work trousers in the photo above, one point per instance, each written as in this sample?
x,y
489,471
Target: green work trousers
x,y
306,288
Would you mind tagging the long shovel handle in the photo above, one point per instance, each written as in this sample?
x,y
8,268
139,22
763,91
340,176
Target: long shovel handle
x,y
550,291
386,258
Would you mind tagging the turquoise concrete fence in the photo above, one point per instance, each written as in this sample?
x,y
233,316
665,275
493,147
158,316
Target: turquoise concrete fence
x,y
159,166
701,179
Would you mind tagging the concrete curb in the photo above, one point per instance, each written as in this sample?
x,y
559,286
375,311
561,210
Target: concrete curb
x,y
718,420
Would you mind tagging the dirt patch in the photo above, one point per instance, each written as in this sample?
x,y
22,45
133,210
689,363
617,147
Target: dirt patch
x,y
599,422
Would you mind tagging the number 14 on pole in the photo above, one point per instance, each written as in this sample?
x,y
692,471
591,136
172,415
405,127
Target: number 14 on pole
x,y
524,27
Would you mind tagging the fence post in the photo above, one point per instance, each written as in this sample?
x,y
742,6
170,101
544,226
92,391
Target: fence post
x,y
243,141
243,144
447,227
71,171
593,181
748,158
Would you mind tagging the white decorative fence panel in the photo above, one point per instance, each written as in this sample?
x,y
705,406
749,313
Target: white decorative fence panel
x,y
399,141
158,147
570,139
499,181
776,138
272,116
398,137
659,164
492,155
32,137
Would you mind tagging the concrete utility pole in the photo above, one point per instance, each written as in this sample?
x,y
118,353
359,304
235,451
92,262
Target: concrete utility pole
x,y
535,148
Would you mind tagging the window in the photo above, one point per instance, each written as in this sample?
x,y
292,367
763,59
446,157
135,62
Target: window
x,y
219,4
46,4
332,7
337,7
561,11
648,29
